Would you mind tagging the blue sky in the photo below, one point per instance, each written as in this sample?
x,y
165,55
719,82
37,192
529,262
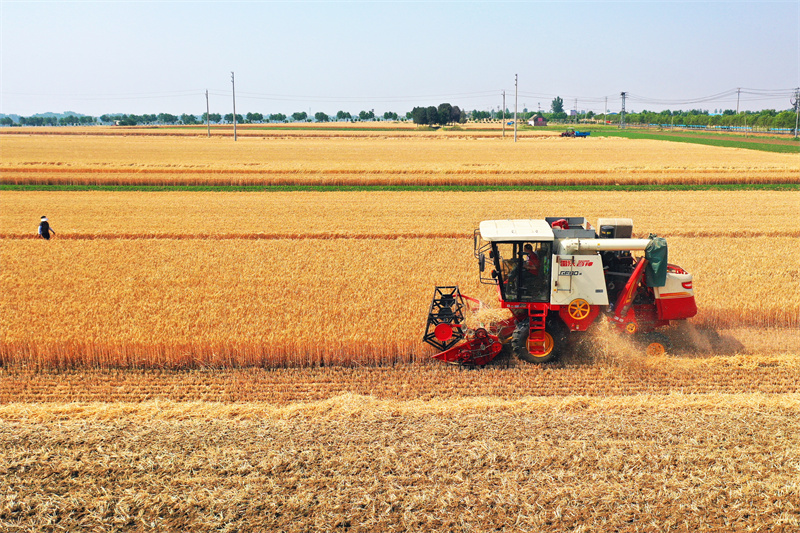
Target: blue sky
x,y
152,57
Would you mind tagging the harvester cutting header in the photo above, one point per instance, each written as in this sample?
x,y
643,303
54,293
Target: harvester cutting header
x,y
557,276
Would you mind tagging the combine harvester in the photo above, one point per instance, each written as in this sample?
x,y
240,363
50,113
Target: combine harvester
x,y
558,276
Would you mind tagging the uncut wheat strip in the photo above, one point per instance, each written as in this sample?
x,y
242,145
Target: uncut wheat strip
x,y
171,294
701,213
428,180
306,155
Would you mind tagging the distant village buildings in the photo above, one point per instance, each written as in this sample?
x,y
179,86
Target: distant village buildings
x,y
537,120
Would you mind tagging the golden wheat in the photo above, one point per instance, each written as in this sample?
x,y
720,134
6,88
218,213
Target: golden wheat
x,y
387,160
183,303
409,214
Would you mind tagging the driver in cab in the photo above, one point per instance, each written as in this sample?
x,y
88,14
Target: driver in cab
x,y
532,263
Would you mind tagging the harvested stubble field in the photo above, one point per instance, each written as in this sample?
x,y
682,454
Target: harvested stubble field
x,y
678,462
383,160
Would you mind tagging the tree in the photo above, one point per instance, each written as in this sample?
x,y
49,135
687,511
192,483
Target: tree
x,y
444,111
254,117
419,115
343,115
213,117
557,105
389,116
166,118
299,116
432,115
457,116
319,116
366,115
188,119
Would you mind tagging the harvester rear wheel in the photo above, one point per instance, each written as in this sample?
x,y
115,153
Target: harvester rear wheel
x,y
553,340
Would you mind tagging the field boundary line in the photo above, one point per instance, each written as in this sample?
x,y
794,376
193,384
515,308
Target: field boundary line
x,y
644,185
352,236
349,404
56,169
239,236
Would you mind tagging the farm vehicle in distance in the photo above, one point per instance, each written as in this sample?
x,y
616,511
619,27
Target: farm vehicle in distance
x,y
558,276
575,133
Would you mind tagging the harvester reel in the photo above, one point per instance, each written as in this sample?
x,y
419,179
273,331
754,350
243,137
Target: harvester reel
x,y
445,313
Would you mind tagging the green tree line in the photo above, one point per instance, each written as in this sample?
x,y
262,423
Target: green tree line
x,y
766,118
189,119
441,115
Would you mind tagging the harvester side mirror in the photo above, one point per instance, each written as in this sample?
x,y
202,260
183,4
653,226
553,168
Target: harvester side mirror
x,y
482,261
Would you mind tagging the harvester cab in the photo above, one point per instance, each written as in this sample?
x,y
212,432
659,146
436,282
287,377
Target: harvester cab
x,y
557,276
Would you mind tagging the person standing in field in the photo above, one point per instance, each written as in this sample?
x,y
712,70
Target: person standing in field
x,y
45,229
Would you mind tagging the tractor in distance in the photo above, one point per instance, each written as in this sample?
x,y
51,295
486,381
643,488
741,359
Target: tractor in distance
x,y
574,133
558,276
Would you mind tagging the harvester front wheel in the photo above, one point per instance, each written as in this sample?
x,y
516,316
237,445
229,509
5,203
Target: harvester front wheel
x,y
656,344
553,340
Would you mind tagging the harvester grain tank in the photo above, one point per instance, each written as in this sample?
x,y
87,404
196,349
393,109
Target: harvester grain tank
x,y
558,276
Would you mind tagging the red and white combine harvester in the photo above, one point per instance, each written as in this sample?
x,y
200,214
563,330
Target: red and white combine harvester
x,y
558,276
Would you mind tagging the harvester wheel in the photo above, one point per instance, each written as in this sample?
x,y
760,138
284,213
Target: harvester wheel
x,y
553,340
656,344
579,309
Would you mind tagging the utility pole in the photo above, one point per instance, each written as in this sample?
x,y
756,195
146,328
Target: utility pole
x,y
605,111
796,104
622,114
516,98
504,114
208,117
738,92
576,111
233,86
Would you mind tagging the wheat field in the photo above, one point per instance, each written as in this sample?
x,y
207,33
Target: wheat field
x,y
220,361
193,280
176,214
383,160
